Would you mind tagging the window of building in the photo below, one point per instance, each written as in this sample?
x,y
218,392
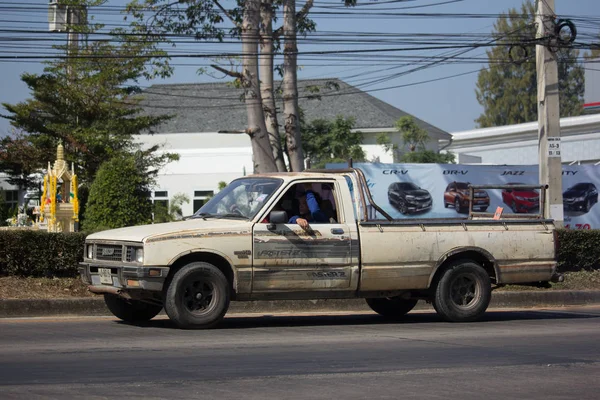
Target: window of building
x,y
11,198
162,193
201,197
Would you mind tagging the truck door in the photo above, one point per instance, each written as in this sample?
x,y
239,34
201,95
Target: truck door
x,y
287,258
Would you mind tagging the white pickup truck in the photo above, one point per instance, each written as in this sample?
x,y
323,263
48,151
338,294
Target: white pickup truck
x,y
240,246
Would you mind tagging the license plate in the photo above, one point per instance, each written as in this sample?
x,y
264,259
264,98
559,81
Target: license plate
x,y
105,276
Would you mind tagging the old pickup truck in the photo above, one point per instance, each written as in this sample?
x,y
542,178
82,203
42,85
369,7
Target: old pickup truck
x,y
240,246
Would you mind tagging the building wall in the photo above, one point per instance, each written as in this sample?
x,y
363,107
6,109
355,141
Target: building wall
x,y
518,144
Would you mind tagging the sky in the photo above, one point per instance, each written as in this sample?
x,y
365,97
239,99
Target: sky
x,y
448,103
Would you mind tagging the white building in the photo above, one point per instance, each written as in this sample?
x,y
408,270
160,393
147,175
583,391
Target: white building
x,y
518,144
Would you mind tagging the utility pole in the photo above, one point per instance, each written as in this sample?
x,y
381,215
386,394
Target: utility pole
x,y
549,145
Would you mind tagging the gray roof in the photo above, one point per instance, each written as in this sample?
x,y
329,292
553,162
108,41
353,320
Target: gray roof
x,y
212,107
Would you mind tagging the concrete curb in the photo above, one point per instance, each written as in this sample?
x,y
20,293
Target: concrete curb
x,y
92,306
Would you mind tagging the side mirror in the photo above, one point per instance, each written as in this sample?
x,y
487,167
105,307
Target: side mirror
x,y
277,217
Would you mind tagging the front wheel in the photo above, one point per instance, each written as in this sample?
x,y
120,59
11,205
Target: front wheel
x,y
197,296
463,292
391,307
130,310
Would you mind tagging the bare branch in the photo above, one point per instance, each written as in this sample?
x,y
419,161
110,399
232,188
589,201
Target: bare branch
x,y
228,72
227,14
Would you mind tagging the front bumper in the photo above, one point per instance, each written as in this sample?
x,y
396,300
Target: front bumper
x,y
123,277
417,206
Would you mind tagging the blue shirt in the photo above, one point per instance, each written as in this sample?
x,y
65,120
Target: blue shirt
x,y
316,215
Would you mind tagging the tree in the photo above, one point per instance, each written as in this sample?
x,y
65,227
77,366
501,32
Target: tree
x,y
326,142
173,212
415,139
86,100
120,194
508,90
252,22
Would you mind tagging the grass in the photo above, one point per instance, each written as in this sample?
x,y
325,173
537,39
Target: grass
x,y
59,288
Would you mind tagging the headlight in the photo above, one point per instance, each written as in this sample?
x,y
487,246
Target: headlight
x,y
90,251
139,255
520,198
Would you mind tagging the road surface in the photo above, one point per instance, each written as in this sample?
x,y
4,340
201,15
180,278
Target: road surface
x,y
533,354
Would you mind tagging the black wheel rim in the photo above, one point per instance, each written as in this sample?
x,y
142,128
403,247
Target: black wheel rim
x,y
464,291
198,295
403,208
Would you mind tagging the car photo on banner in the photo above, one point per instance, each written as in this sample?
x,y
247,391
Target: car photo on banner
x,y
580,198
521,200
457,196
409,198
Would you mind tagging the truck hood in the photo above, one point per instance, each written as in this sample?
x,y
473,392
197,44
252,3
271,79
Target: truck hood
x,y
142,233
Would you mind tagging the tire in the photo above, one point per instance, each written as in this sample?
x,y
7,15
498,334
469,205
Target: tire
x,y
457,204
588,205
463,292
197,296
402,207
130,310
513,205
391,307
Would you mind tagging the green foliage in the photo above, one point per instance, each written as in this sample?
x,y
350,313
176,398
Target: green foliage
x,y
120,195
85,101
507,91
173,212
414,137
578,250
427,157
383,139
40,254
326,141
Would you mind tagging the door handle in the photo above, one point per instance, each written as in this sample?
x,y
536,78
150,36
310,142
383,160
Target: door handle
x,y
337,231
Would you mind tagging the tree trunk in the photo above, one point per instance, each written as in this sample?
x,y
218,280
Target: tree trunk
x,y
290,88
261,148
266,82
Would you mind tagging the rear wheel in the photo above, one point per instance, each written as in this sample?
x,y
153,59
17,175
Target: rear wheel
x,y
130,310
197,296
391,307
463,292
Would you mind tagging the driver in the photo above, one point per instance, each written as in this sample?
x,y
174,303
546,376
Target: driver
x,y
309,209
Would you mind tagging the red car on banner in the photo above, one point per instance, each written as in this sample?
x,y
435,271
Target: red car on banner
x,y
521,200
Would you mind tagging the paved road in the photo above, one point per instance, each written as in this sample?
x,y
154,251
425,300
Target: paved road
x,y
539,354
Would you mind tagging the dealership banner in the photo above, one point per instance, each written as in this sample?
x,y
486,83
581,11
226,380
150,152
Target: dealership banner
x,y
441,190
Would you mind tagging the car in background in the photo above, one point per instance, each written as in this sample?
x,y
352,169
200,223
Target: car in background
x,y
457,195
580,197
521,200
407,197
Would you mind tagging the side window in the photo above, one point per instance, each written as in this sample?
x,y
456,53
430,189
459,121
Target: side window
x,y
295,204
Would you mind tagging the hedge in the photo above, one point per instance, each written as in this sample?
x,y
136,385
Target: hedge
x,y
578,250
42,254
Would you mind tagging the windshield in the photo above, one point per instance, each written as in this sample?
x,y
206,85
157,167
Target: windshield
x,y
580,186
462,186
408,186
242,198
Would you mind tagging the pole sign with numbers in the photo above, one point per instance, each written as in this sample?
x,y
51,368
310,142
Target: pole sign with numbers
x,y
553,147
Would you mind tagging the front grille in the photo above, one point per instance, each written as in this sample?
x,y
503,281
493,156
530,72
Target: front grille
x,y
423,198
109,252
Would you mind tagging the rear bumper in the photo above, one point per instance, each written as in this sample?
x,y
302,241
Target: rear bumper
x,y
123,278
